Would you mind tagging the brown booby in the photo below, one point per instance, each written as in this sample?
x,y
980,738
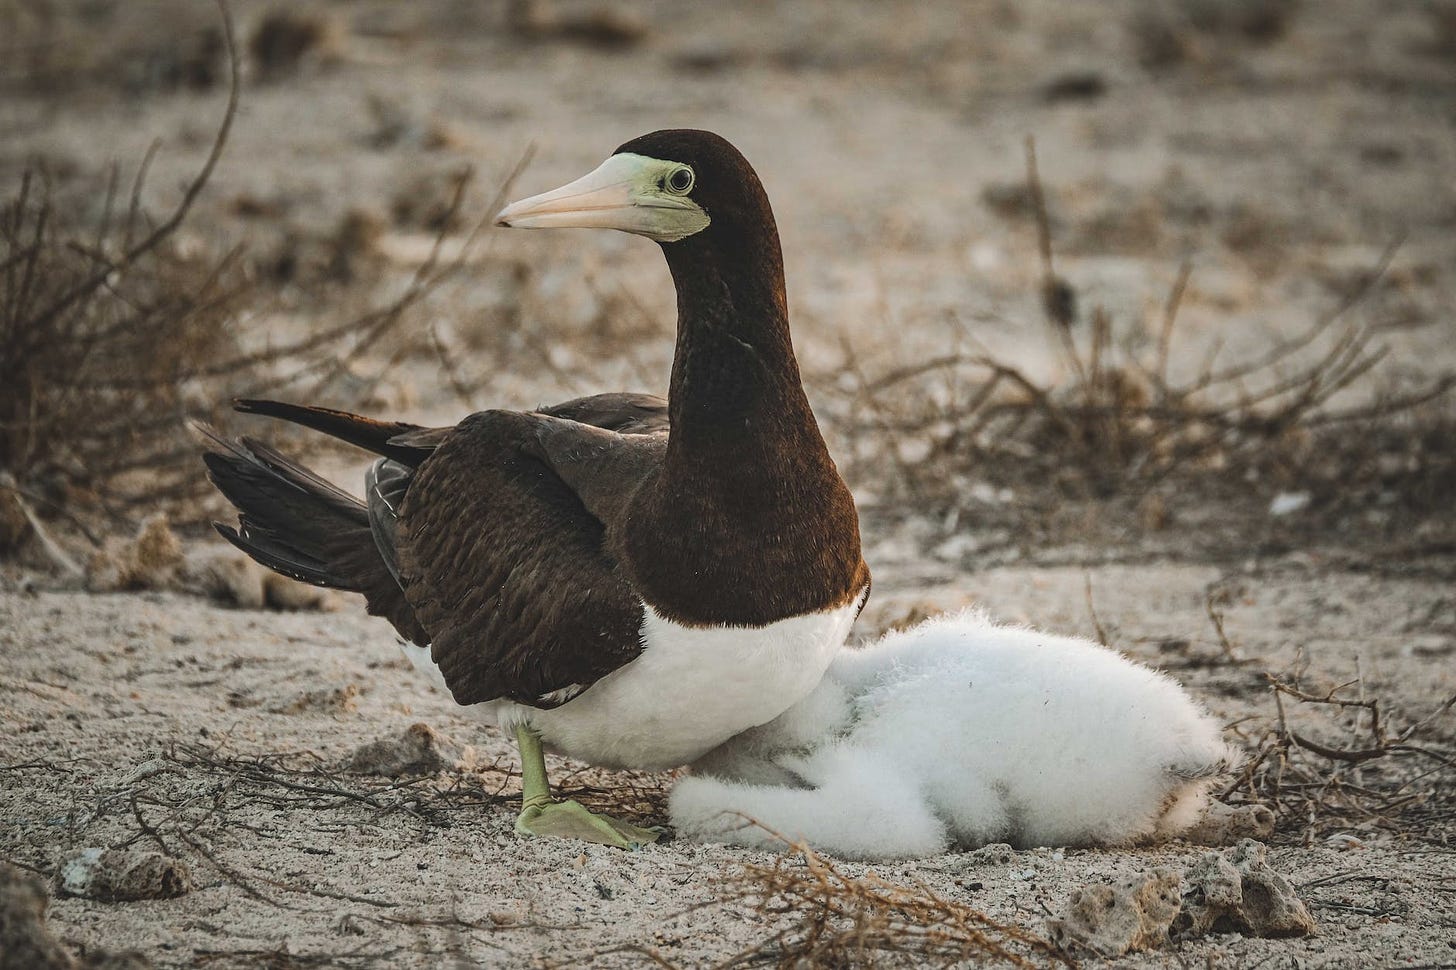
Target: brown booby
x,y
621,594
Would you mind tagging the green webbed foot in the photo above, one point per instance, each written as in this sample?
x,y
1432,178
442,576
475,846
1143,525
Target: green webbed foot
x,y
569,820
541,816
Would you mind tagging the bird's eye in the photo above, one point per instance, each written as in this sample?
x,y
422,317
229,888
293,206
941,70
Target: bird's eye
x,y
680,181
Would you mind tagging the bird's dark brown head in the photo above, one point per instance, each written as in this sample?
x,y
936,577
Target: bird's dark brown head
x,y
697,196
715,174
668,185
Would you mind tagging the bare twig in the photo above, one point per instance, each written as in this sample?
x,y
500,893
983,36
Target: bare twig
x,y
835,919
1317,787
1092,611
189,196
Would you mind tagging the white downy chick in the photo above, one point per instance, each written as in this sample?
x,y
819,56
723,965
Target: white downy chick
x,y
957,733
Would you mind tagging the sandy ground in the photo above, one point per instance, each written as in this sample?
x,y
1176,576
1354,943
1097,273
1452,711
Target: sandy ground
x,y
98,686
891,139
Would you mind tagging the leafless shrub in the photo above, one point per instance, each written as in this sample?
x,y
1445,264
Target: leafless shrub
x,y
639,796
608,27
1120,424
1387,774
114,330
1166,35
96,343
840,920
286,39
101,328
61,45
1442,19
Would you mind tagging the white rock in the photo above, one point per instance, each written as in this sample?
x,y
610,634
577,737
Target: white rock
x,y
1287,503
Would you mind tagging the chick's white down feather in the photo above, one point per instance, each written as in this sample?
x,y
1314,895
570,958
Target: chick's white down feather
x,y
958,733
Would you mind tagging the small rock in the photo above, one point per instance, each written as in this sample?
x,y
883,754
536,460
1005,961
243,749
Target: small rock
x,y
147,769
335,700
1163,43
355,244
25,943
14,525
1237,891
709,55
995,854
1287,503
224,575
287,39
228,576
420,750
282,593
151,560
608,27
123,875
1075,86
1226,824
1108,921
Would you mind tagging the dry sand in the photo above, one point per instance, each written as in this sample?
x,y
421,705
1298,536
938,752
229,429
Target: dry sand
x,y
110,698
890,136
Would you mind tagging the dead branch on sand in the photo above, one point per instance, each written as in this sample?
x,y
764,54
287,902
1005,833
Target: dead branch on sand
x,y
1118,422
98,330
838,919
1381,779
114,331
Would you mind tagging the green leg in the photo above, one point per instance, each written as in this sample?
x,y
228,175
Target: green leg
x,y
541,816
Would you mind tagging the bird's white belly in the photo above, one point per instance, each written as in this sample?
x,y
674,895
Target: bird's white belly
x,y
691,689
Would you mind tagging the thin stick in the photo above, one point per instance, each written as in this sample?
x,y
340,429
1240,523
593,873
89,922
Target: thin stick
x,y
189,196
1102,637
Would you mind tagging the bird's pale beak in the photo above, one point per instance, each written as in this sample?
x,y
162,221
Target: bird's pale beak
x,y
624,192
601,199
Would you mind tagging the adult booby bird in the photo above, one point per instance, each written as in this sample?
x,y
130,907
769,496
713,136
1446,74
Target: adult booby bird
x,y
623,595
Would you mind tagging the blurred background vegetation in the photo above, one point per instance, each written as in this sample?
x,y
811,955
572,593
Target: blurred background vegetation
x,y
1096,280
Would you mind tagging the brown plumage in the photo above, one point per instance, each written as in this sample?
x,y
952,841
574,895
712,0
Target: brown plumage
x,y
521,547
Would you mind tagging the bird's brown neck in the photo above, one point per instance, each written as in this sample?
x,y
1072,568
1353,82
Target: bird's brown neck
x,y
750,521
734,367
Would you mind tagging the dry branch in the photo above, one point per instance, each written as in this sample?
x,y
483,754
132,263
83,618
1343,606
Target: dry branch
x,y
1375,781
1117,423
97,337
835,919
111,336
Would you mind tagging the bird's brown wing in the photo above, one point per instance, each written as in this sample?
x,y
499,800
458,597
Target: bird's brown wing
x,y
625,413
504,548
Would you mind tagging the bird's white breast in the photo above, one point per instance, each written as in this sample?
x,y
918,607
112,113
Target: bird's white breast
x,y
689,690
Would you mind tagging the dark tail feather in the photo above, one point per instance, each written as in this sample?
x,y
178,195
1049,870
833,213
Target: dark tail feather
x,y
366,433
297,524
290,520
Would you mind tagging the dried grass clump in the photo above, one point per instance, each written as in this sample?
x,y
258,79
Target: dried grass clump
x,y
1167,35
1367,773
109,46
151,560
840,920
114,330
288,39
104,322
1118,423
608,27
